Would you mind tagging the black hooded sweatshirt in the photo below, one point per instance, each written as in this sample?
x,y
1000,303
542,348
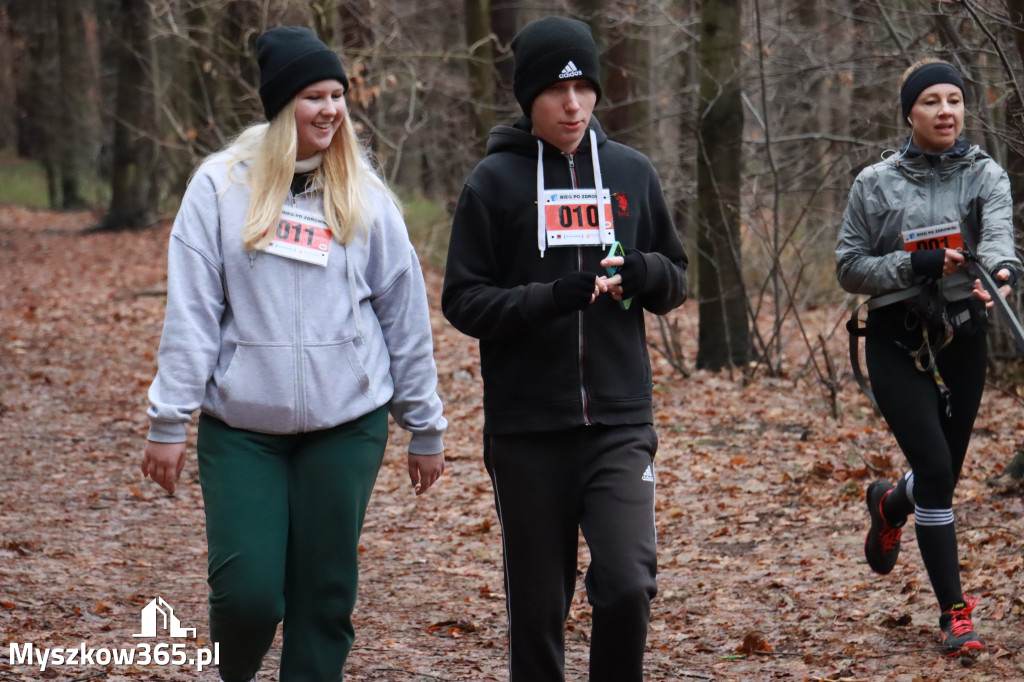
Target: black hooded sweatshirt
x,y
544,369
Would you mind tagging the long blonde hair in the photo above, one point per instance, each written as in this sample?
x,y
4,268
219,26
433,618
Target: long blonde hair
x,y
345,174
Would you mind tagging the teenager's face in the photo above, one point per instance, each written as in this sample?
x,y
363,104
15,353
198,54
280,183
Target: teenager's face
x,y
319,109
562,111
937,117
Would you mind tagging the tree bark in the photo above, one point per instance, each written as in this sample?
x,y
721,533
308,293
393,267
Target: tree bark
x,y
504,24
724,333
481,70
133,149
78,142
38,119
8,110
1015,121
1015,169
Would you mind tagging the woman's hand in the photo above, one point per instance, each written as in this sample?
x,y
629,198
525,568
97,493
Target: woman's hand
x,y
982,293
424,470
954,261
163,463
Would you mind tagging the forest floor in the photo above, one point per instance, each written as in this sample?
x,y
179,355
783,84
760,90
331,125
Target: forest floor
x,y
760,507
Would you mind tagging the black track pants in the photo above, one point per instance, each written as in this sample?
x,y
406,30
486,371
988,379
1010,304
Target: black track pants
x,y
548,487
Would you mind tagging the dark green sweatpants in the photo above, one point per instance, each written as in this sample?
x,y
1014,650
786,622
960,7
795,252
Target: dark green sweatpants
x,y
283,518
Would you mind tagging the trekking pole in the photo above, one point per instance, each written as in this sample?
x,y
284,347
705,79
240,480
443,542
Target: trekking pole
x,y
975,268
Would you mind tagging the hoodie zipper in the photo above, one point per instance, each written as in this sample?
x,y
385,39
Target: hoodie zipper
x,y
300,387
581,346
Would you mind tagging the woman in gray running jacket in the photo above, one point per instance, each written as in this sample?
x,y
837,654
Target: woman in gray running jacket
x,y
909,226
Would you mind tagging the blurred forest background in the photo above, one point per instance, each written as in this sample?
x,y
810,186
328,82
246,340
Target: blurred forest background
x,y
757,113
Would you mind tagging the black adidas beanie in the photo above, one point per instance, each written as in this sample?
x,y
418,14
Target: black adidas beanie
x,y
290,58
551,49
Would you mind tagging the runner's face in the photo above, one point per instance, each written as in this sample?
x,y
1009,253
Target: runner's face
x,y
319,110
561,112
937,118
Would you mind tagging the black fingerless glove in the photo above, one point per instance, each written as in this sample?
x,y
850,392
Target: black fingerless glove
x,y
634,274
573,291
1010,282
928,263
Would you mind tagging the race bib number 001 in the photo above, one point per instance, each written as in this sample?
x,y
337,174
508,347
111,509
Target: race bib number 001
x,y
572,218
944,236
301,236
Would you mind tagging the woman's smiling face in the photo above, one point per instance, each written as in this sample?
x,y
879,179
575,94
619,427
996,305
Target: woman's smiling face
x,y
319,110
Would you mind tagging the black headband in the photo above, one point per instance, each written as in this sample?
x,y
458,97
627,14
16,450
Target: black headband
x,y
925,77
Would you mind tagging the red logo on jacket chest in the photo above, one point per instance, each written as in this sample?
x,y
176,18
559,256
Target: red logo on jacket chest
x,y
621,204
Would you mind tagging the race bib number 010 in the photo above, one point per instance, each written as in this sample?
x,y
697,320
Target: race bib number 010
x,y
944,236
301,236
572,218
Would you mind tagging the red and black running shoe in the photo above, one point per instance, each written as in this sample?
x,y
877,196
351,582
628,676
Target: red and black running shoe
x,y
958,635
882,544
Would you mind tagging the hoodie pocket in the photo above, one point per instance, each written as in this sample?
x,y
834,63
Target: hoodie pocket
x,y
259,388
336,383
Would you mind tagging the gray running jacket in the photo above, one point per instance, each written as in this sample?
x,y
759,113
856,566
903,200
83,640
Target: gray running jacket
x,y
914,191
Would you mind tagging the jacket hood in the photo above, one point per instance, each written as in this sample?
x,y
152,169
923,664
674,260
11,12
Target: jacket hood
x,y
517,138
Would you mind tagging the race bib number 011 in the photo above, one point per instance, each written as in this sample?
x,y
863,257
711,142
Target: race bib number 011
x,y
944,236
572,218
301,236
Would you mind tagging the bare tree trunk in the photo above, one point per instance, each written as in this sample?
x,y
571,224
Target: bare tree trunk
x,y
617,80
1015,121
239,25
620,66
206,135
133,150
38,119
862,120
967,60
357,38
78,142
481,70
504,24
724,335
8,110
1015,169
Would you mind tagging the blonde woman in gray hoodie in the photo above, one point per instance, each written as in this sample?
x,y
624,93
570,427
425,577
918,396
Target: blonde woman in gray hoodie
x,y
296,320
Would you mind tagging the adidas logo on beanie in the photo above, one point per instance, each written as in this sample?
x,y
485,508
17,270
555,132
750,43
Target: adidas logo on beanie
x,y
551,49
570,71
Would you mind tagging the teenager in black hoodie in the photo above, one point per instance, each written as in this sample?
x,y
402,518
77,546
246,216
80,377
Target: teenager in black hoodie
x,y
569,441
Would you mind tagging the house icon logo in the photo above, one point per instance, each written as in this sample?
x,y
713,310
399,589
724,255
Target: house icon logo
x,y
159,614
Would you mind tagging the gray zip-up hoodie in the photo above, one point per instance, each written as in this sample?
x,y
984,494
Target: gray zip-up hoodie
x,y
275,345
912,191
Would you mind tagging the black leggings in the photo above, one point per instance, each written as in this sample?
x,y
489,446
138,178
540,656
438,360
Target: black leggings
x,y
933,443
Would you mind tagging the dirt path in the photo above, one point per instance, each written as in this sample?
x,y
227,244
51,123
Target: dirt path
x,y
760,508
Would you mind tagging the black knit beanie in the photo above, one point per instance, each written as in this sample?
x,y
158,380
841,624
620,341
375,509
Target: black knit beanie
x,y
925,77
551,49
290,58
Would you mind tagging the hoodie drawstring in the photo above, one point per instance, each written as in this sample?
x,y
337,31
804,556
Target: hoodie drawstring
x,y
599,184
350,277
542,227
